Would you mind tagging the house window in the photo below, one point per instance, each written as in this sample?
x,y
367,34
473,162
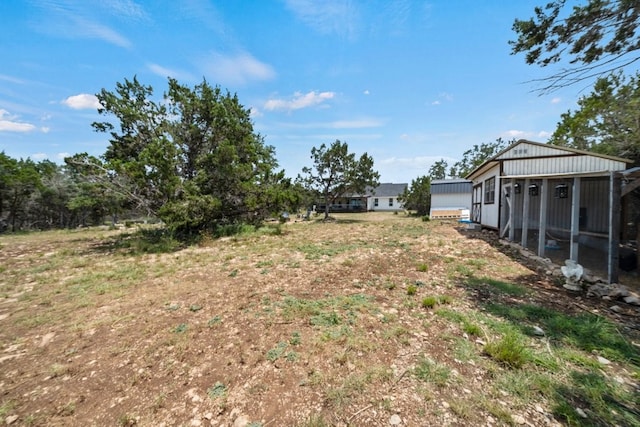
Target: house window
x,y
375,202
391,202
490,191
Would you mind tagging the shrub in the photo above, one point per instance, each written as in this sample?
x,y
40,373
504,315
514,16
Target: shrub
x,y
412,289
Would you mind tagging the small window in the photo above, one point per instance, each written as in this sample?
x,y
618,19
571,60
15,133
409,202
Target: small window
x,y
375,202
391,202
490,191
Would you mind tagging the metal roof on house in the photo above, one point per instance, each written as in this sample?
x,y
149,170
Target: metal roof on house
x,y
387,190
549,160
451,186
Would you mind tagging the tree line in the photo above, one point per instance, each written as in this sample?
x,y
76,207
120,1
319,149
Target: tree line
x,y
191,159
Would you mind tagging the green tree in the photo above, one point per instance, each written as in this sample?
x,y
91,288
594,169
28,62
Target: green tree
x,y
192,159
19,181
417,197
607,120
438,170
595,38
474,157
336,173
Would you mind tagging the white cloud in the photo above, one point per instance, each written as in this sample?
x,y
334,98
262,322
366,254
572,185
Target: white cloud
x,y
544,134
556,100
96,30
73,19
366,92
168,72
255,112
442,97
298,101
125,8
45,129
8,123
360,123
328,16
517,134
11,79
236,69
83,101
39,156
61,156
356,124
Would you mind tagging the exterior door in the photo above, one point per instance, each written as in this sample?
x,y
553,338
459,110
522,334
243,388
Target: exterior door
x,y
476,204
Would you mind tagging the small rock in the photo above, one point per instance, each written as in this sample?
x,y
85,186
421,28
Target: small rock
x,y
47,339
603,361
615,308
519,419
395,420
241,421
539,409
599,290
538,331
632,299
11,419
445,405
581,413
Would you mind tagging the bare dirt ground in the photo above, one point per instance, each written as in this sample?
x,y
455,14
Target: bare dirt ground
x,y
312,324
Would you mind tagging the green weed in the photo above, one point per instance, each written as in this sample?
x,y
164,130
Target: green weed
x,y
509,350
218,390
432,372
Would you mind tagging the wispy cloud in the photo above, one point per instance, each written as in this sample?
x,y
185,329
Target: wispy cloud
x,y
11,79
90,29
237,69
544,135
83,101
125,9
360,123
442,97
338,17
556,100
9,123
169,72
72,19
298,101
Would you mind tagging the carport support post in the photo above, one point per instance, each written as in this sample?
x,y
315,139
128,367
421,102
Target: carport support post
x,y
542,226
575,219
615,194
512,210
525,214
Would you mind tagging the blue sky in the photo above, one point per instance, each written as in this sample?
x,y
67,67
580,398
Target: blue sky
x,y
408,82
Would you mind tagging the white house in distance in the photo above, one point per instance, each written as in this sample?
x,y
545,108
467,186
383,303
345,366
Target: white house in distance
x,y
559,202
450,198
385,197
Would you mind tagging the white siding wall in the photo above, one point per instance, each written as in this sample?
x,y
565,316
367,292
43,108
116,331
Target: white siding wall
x,y
451,201
490,212
383,204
